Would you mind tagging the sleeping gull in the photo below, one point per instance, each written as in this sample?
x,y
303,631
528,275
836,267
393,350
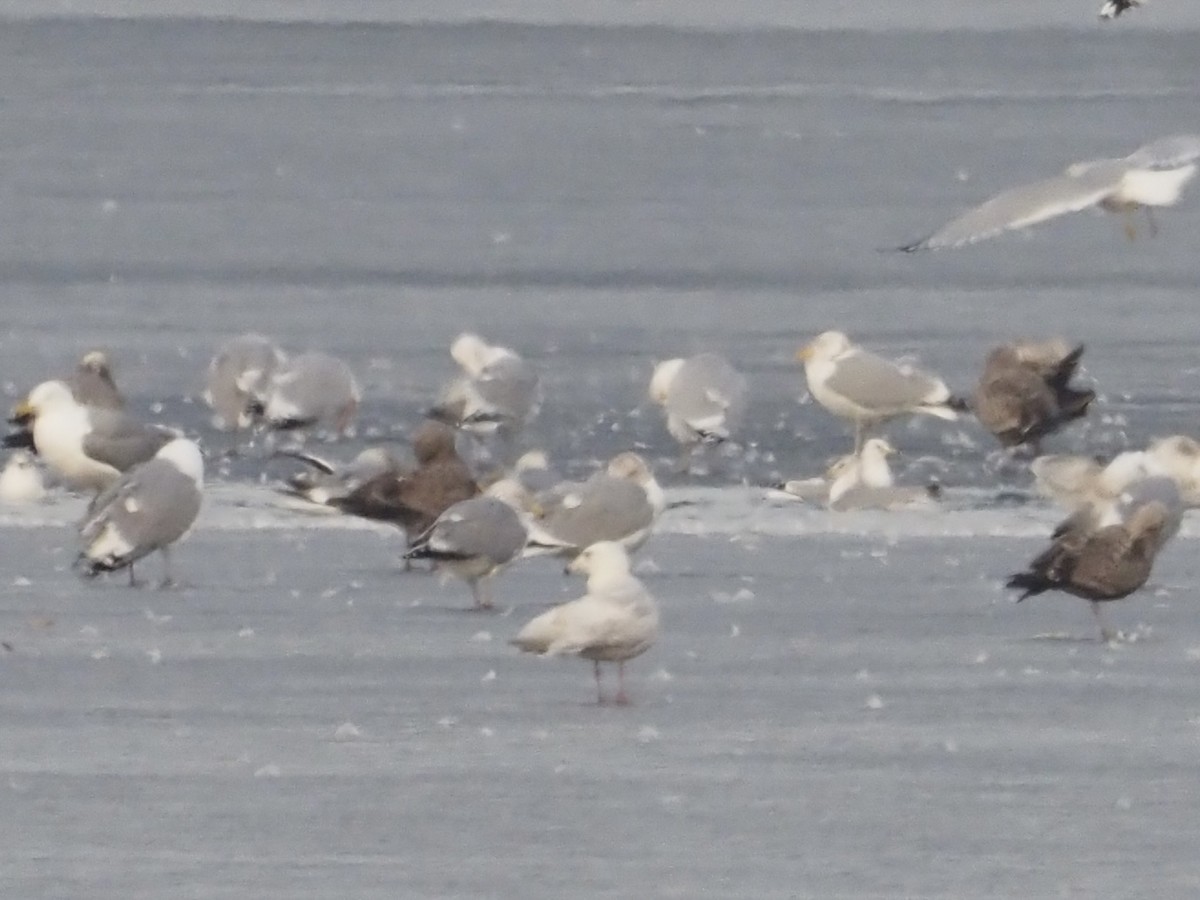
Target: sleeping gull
x,y
498,392
149,508
412,500
21,480
1113,8
620,503
86,447
1098,565
856,384
238,375
476,538
1154,175
704,399
1025,393
615,621
311,389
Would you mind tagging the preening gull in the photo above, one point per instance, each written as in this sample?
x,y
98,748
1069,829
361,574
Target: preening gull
x,y
1098,565
476,538
149,508
1153,175
1113,8
311,389
856,384
621,504
326,480
1078,481
412,500
816,489
1025,393
21,480
615,621
704,398
87,447
498,391
238,375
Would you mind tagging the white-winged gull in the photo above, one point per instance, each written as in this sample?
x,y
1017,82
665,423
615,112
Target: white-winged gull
x,y
149,508
703,397
614,621
312,389
1153,175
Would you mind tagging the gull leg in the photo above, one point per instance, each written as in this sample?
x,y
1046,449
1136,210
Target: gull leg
x,y
1153,225
683,465
858,436
599,687
622,699
168,580
1130,229
133,582
483,597
1107,635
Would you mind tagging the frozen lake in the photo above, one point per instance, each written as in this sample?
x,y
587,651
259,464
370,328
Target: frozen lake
x,y
839,706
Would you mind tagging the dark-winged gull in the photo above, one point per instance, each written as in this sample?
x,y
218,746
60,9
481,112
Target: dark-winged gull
x,y
1153,175
21,481
476,538
412,500
703,397
614,621
1024,393
238,375
312,389
1098,565
1113,8
88,448
620,504
858,385
149,508
324,480
498,392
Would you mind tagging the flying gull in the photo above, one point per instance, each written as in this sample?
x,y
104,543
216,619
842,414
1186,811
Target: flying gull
x,y
476,538
1097,565
149,508
1154,175
238,374
856,384
614,621
704,398
87,447
1024,393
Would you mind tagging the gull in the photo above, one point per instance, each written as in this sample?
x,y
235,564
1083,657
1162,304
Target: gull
x,y
704,398
476,538
614,621
1098,565
21,480
311,389
238,374
865,482
1025,394
148,508
87,447
1153,175
92,382
620,503
1113,8
326,481
856,384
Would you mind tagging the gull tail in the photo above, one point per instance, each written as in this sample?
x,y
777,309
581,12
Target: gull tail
x,y
1029,583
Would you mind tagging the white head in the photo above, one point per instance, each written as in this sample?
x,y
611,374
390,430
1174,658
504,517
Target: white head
x,y
185,456
601,562
96,361
663,377
875,471
510,492
47,396
532,461
824,346
630,466
1178,456
471,352
1126,468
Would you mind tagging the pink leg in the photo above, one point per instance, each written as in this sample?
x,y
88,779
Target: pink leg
x,y
622,698
346,417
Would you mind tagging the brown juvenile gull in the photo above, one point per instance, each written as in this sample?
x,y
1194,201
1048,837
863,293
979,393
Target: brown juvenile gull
x,y
1025,394
238,374
615,621
1098,565
858,385
476,538
312,389
703,397
620,503
149,508
1153,175
412,500
87,447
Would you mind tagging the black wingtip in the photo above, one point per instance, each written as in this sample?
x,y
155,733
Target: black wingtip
x,y
19,440
959,404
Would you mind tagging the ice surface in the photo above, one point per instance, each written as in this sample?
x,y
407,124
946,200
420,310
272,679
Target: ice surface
x,y
841,705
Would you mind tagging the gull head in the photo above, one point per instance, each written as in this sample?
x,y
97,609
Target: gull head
x,y
826,345
433,441
46,396
471,352
185,456
663,377
630,466
605,558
